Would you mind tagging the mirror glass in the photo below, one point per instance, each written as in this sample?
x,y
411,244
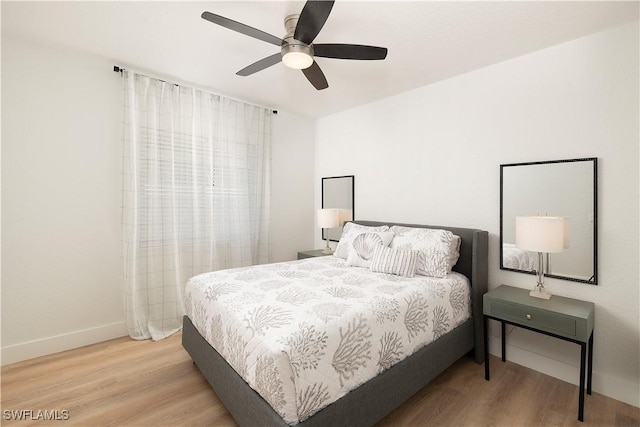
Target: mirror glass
x,y
337,193
566,188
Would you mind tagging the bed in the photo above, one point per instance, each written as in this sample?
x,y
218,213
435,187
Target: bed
x,y
367,401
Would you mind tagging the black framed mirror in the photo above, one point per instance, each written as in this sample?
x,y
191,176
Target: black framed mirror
x,y
566,188
338,193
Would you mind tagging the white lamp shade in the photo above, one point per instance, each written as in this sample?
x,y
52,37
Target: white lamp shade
x,y
566,233
328,218
540,233
345,215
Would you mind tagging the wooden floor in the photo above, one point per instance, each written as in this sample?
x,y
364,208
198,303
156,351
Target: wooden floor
x,y
142,383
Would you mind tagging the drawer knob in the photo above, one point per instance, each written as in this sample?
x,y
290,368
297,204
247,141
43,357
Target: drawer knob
x,y
528,317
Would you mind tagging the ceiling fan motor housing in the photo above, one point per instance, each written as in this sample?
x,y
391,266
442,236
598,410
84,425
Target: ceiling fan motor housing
x,y
295,54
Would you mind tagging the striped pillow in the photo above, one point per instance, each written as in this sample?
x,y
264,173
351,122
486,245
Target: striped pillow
x,y
394,261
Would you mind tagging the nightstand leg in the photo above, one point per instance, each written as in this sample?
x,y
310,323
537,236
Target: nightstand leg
x,y
504,343
590,364
486,347
583,351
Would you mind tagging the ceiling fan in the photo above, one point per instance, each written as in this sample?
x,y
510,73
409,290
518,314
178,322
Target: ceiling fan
x,y
296,48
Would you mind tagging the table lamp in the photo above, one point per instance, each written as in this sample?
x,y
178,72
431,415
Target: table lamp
x,y
542,234
328,218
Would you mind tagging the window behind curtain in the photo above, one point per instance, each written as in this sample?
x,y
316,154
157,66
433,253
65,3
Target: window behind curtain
x,y
196,193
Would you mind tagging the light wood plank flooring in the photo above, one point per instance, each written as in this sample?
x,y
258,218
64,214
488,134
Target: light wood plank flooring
x,y
142,383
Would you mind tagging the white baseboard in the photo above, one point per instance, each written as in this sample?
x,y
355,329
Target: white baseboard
x,y
614,388
31,349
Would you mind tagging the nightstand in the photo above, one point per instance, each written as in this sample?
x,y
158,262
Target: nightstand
x,y
565,318
311,254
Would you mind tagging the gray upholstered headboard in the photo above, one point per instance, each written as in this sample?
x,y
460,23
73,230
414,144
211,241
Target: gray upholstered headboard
x,y
473,263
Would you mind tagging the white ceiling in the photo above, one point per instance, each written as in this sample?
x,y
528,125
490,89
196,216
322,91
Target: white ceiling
x,y
427,41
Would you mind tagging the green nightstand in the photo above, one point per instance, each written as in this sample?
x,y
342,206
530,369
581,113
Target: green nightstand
x,y
565,318
311,254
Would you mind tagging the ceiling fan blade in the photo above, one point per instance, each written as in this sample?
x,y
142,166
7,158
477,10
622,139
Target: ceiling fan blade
x,y
260,65
312,18
315,76
349,51
241,28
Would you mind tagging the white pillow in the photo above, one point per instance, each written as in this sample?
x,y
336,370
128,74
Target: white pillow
x,y
454,251
364,245
349,231
394,261
438,249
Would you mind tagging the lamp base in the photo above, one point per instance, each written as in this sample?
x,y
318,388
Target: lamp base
x,y
540,293
327,251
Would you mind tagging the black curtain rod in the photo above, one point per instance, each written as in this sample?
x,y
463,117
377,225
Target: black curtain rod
x,y
120,70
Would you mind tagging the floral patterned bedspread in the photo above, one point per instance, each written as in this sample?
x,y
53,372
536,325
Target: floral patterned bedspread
x,y
514,257
304,333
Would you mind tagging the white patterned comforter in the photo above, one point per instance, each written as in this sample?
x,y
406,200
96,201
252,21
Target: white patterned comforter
x,y
304,333
516,258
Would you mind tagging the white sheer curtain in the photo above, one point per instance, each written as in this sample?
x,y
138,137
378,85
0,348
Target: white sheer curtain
x,y
196,193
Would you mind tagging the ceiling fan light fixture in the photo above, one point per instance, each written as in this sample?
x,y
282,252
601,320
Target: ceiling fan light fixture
x,y
297,60
297,56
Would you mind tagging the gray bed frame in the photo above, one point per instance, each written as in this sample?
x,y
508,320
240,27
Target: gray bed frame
x,y
376,398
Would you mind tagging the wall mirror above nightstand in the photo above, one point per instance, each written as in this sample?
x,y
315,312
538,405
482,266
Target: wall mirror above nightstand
x,y
563,188
338,193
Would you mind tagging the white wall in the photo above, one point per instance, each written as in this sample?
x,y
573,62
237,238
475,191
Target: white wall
x,y
292,200
432,156
61,157
61,198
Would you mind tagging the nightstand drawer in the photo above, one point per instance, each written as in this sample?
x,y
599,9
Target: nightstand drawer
x,y
534,318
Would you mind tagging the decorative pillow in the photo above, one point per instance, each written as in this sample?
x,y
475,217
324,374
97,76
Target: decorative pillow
x,y
454,251
350,231
438,249
364,245
394,261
